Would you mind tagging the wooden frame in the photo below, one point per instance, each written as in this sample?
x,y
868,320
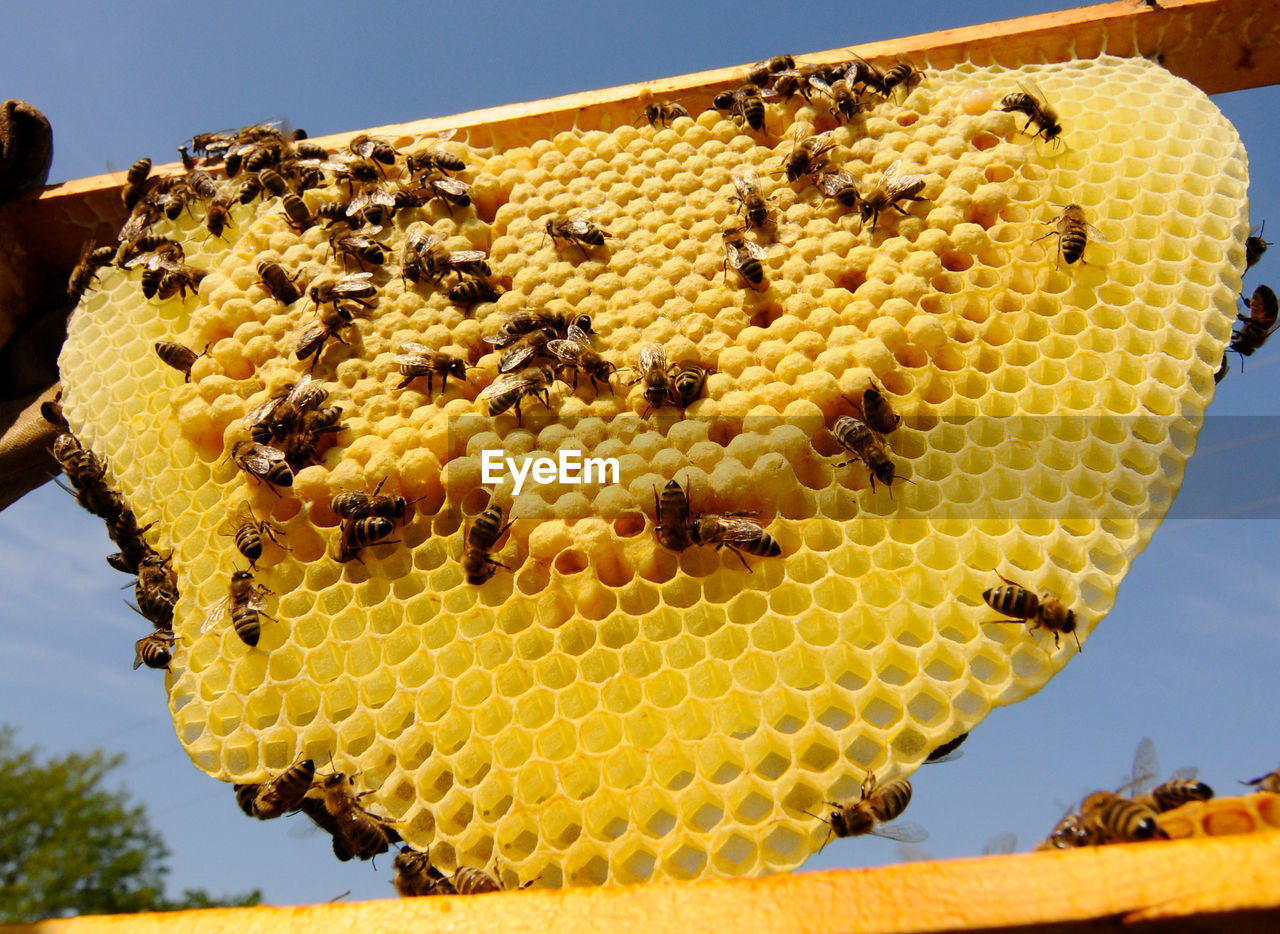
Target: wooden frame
x,y
1220,45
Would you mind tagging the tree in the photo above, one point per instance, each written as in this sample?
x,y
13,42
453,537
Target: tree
x,y
70,846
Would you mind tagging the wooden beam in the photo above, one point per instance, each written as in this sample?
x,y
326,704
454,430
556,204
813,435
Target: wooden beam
x,y
1219,45
1204,884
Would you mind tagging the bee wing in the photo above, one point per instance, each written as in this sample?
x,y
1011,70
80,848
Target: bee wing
x,y
505,383
752,248
458,257
449,185
410,360
904,831
575,227
446,135
822,86
1001,843
735,529
516,358
830,183
1096,234
411,349
902,186
746,181
889,179
1146,768
579,336
263,412
301,390
355,282
357,204
1030,87
565,350
1186,773
652,357
215,614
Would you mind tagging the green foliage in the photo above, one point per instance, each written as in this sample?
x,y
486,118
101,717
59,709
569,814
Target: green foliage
x,y
70,846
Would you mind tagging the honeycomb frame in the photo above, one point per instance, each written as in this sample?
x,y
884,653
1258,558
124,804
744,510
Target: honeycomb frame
x,y
596,647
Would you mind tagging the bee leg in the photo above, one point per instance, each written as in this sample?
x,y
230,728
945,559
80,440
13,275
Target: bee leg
x,y
738,553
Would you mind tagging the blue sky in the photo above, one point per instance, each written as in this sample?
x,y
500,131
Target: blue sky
x,y
1188,656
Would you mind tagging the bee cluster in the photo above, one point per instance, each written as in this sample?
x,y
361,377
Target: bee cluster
x,y
357,356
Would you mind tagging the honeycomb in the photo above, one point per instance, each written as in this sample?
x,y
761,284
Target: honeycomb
x,y
601,709
1218,817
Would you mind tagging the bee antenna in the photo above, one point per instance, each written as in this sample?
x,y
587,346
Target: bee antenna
x,y
1079,648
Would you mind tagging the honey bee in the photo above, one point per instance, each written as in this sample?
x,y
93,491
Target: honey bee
x,y
948,751
528,321
471,292
264,463
163,278
754,205
423,257
575,229
746,256
875,411
51,412
891,189
354,504
154,650
528,350
355,170
436,185
179,357
358,534
1269,782
244,598
283,416
358,245
687,382
278,283
662,113
330,324
1072,233
1254,247
865,445
435,159
86,471
1071,832
845,100
1258,326
575,354
123,528
284,793
744,104
735,532
144,215
471,881
1114,819
415,876
132,252
1032,104
841,186
1180,789
1043,612
656,376
672,528
249,188
355,287
875,808
218,214
356,832
135,183
477,563
901,75
366,147
762,73
248,531
807,156
86,269
156,589
510,389
297,215
415,360
271,182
